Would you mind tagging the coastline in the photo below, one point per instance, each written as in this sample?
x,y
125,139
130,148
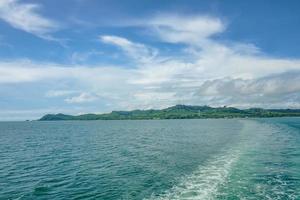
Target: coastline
x,y
179,112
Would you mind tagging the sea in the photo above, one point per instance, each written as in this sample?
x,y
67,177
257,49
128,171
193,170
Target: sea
x,y
201,159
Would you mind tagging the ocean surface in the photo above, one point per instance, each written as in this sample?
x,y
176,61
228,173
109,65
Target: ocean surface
x,y
151,160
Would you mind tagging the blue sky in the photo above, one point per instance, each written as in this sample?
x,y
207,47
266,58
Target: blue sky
x,y
81,56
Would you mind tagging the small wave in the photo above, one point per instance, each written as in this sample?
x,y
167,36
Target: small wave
x,y
204,182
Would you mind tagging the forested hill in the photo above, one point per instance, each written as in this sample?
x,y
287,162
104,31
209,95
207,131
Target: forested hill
x,y
179,112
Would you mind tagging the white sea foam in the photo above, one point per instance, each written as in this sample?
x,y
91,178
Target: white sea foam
x,y
203,183
208,181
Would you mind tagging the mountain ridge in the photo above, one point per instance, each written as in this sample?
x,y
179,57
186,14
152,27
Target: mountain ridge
x,y
178,112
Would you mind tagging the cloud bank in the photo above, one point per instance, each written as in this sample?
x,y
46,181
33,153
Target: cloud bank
x,y
208,71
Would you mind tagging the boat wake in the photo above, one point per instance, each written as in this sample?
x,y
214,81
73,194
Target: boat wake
x,y
204,182
235,171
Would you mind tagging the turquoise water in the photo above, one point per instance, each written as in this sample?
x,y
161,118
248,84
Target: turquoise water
x,y
155,159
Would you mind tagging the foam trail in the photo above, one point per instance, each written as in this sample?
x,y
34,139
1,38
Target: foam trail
x,y
203,184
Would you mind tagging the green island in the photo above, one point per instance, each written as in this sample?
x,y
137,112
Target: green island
x,y
179,112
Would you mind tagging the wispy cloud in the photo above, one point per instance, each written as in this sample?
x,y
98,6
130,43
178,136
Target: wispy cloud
x,y
191,30
82,57
25,17
82,98
137,51
59,93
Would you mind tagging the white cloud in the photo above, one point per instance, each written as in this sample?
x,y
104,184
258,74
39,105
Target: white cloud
x,y
81,57
138,52
27,71
24,16
192,30
59,93
268,91
82,98
207,72
146,99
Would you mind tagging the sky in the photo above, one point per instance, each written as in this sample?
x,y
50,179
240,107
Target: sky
x,y
95,56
